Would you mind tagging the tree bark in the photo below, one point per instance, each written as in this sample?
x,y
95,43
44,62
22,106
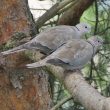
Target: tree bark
x,y
81,91
20,88
72,16
14,18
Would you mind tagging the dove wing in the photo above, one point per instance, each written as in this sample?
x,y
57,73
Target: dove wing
x,y
75,53
54,37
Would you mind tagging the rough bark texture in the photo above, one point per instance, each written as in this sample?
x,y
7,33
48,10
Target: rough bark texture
x,y
15,18
72,16
20,88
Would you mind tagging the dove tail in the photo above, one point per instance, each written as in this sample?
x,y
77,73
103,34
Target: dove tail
x,y
14,50
37,64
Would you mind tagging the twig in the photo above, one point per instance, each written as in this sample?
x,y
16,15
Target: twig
x,y
38,9
97,19
95,31
102,32
67,7
60,103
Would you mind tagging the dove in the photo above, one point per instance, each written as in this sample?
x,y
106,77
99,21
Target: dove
x,y
49,40
73,55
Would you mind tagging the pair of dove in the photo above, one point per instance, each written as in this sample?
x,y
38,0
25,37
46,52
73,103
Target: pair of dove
x,y
72,55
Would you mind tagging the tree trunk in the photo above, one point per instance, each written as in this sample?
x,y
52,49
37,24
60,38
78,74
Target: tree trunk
x,y
20,88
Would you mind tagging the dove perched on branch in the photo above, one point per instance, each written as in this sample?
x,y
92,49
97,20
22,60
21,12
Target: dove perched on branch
x,y
50,39
72,55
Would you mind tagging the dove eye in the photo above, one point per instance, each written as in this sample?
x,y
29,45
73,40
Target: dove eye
x,y
85,26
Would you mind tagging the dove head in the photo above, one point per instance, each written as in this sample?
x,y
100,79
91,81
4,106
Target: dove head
x,y
96,41
83,28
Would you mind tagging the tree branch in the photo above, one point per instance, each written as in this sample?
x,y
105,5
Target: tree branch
x,y
81,91
61,102
72,15
52,12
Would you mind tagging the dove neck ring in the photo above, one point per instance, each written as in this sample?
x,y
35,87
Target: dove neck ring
x,y
93,47
77,28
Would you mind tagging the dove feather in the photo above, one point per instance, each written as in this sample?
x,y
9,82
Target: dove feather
x,y
49,40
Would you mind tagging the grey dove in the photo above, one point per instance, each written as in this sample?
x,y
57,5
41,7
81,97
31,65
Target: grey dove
x,y
49,40
72,55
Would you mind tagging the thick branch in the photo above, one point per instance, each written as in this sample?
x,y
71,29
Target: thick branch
x,y
20,89
81,91
52,12
72,16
